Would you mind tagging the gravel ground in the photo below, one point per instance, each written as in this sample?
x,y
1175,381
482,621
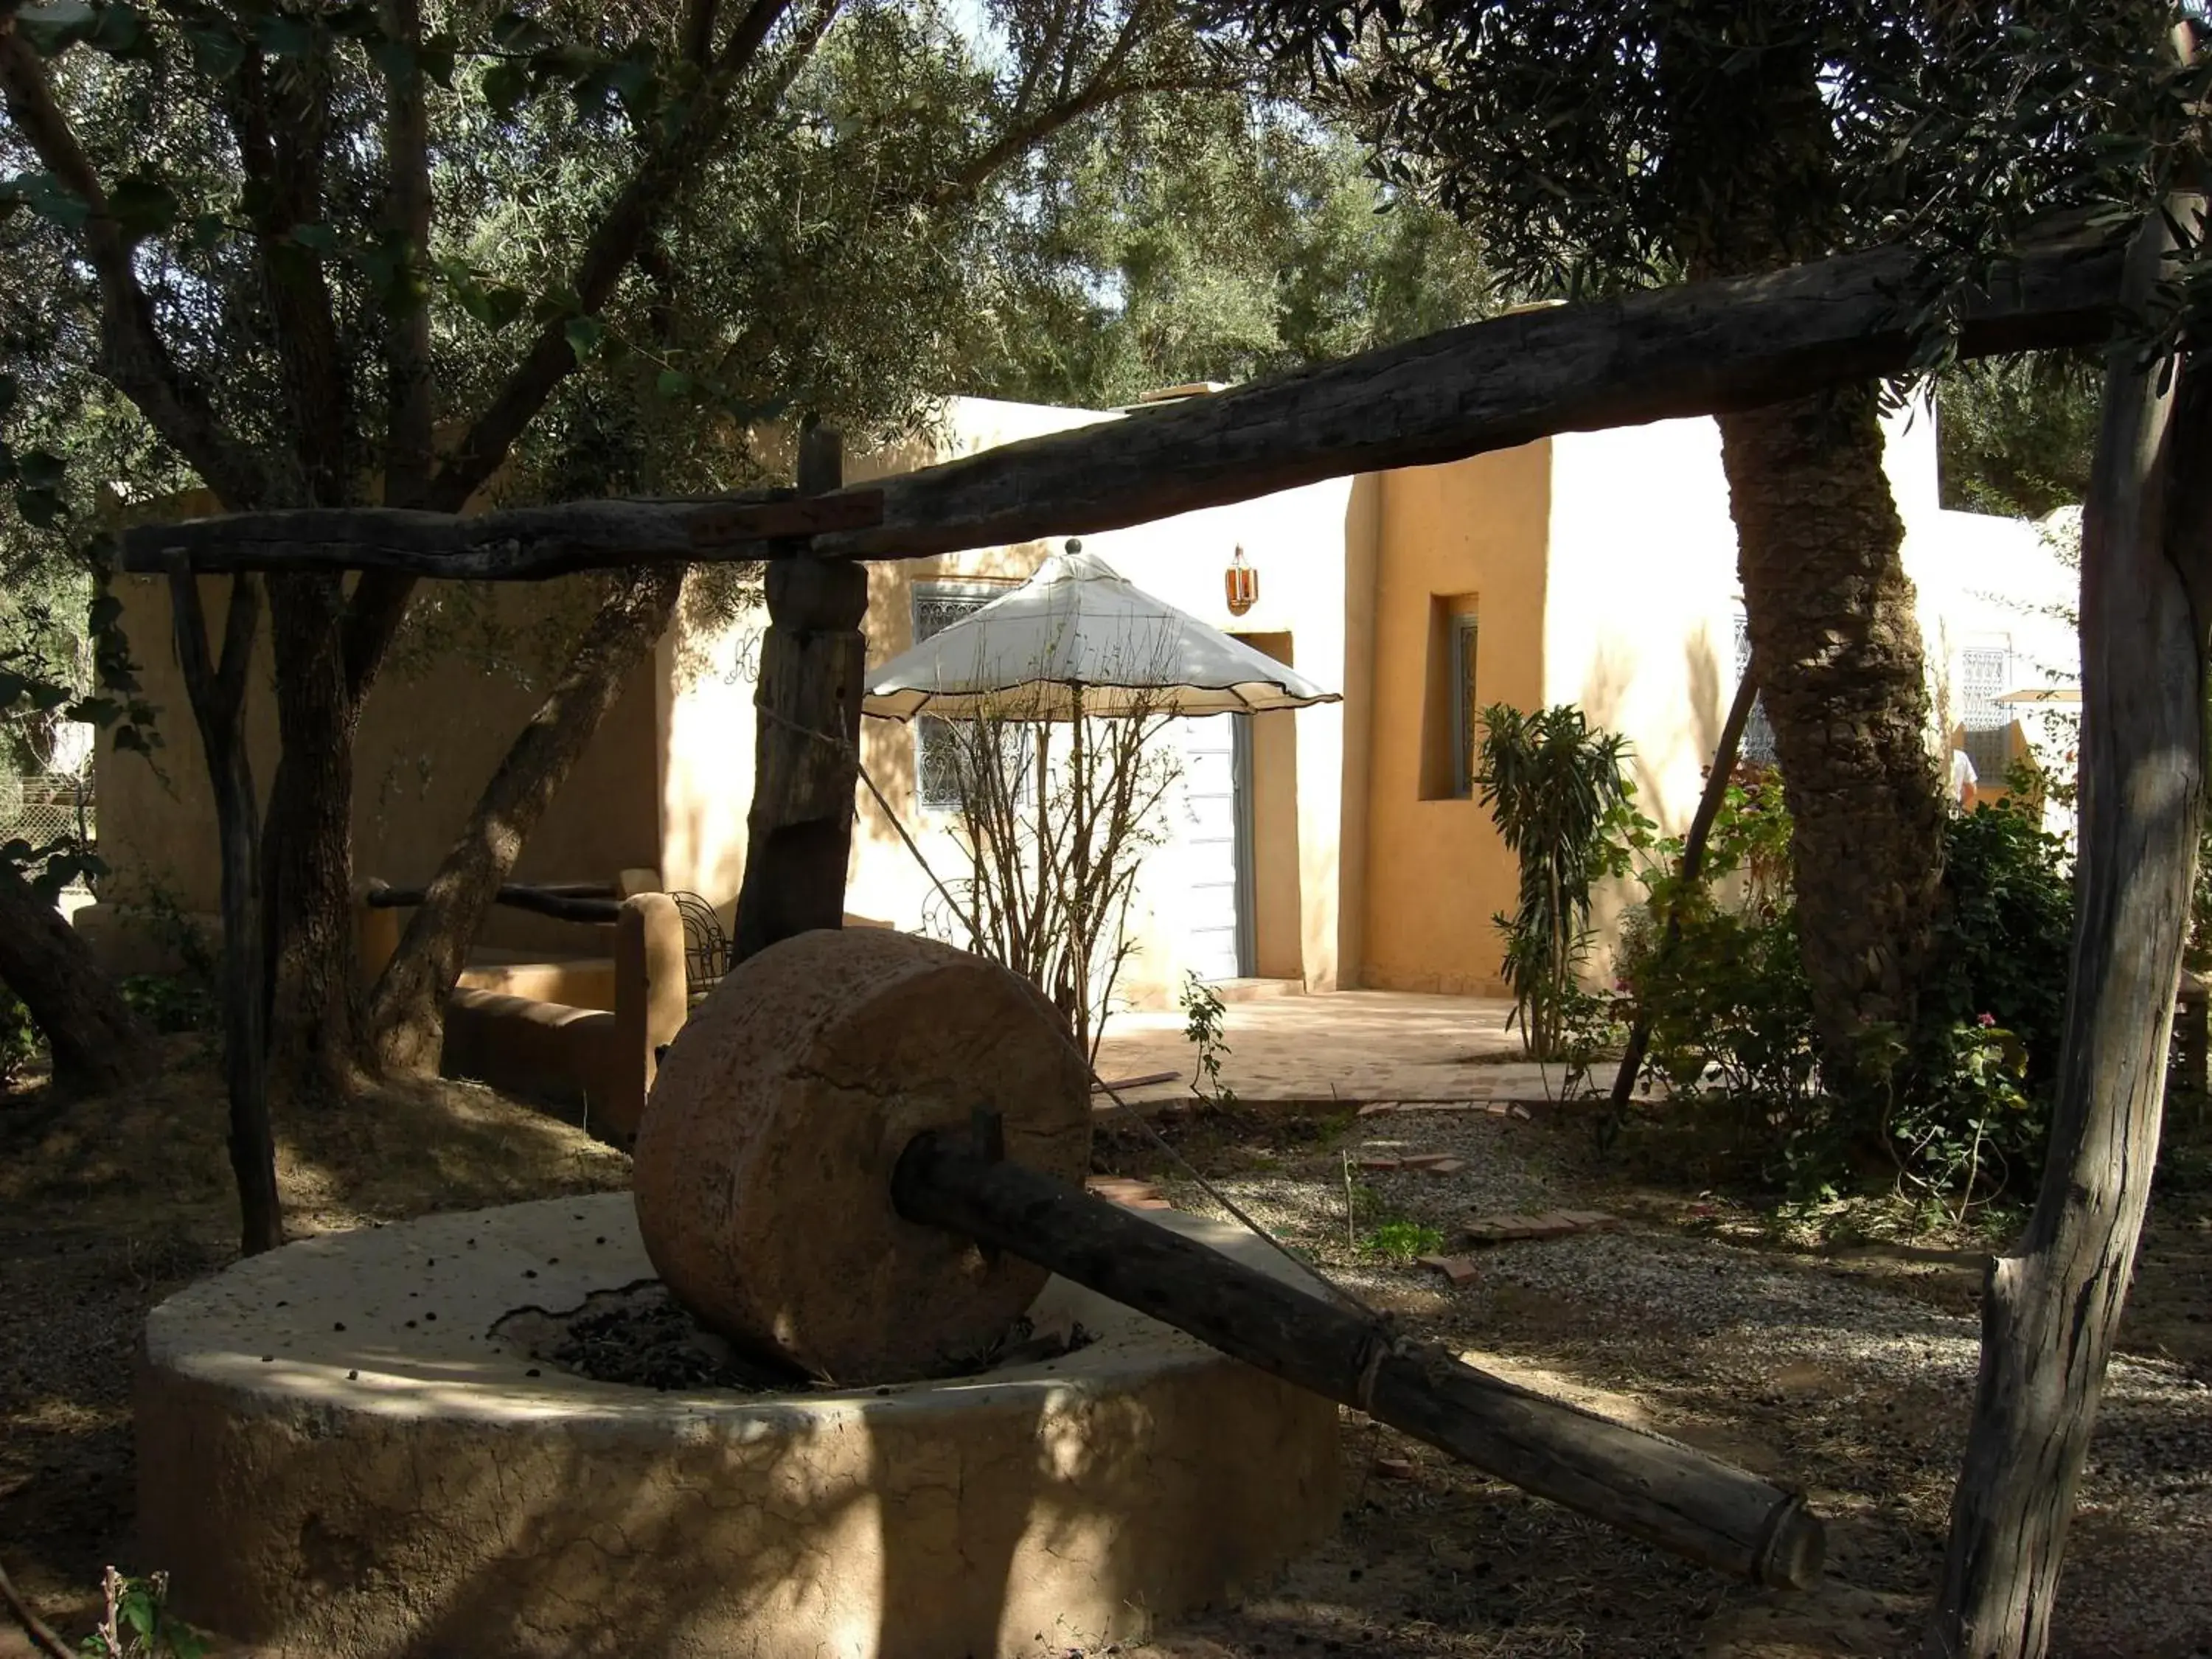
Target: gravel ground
x,y
1852,1378
1848,1377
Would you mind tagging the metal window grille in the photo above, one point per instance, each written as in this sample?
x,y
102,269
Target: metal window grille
x,y
937,748
1467,709
1756,747
50,806
1982,670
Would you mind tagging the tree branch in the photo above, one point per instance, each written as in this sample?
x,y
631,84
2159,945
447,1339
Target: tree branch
x,y
139,360
281,131
667,168
41,1634
409,405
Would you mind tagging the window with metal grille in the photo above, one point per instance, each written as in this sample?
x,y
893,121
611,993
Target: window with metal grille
x,y
937,750
1756,747
1987,723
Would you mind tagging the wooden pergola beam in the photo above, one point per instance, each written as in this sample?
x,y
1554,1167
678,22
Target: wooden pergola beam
x,y
1697,349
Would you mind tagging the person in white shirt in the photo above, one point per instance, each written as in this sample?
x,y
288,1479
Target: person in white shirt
x,y
1963,780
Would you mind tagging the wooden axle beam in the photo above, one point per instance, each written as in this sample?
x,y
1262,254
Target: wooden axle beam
x,y
586,901
1669,1494
1696,349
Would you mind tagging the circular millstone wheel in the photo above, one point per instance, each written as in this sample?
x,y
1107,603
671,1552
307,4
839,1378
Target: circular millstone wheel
x,y
764,1157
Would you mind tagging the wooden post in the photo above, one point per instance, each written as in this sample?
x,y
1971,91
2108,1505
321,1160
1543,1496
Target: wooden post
x,y
813,666
2051,1307
1669,1494
217,692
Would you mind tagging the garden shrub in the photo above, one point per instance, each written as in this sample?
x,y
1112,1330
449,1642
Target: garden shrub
x,y
19,1039
1559,792
1731,1014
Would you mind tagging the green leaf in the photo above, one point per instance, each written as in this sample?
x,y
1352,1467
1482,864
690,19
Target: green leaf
x,y
41,508
54,27
637,85
119,30
46,196
502,306
323,239
670,382
356,23
219,49
143,204
284,37
438,53
513,32
506,83
208,230
583,335
135,1608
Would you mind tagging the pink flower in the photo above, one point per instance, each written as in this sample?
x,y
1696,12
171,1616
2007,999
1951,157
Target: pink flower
x,y
1986,1019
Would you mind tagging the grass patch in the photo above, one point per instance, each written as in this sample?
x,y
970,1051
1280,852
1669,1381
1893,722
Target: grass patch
x,y
1398,1239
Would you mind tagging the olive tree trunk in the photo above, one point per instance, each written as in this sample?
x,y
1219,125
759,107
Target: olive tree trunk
x,y
98,1042
2052,1307
1835,646
407,1009
306,871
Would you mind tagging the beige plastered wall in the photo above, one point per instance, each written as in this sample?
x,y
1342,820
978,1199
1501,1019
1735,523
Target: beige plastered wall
x,y
1304,544
1473,532
1639,629
435,727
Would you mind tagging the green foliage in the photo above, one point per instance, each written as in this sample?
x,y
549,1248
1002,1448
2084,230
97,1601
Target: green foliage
x,y
2005,934
173,1002
1620,142
1210,238
1399,1240
1560,795
138,1625
1205,1019
1731,1014
20,1044
2015,434
1727,999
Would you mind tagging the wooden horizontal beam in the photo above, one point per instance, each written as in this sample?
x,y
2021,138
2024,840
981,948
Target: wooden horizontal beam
x,y
528,544
1696,349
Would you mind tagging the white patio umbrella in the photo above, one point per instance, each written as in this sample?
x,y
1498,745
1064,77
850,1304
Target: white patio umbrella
x,y
1078,638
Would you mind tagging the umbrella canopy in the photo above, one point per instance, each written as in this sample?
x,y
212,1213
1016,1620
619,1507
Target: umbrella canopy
x,y
1077,633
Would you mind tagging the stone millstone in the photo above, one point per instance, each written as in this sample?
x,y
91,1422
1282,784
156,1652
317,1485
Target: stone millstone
x,y
764,1156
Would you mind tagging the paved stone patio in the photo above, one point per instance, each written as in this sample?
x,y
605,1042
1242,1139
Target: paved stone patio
x,y
1357,1047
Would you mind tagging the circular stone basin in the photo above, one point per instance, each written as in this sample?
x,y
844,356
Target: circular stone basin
x,y
339,1455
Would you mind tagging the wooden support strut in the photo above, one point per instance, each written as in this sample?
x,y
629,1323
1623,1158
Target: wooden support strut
x,y
813,668
1671,1496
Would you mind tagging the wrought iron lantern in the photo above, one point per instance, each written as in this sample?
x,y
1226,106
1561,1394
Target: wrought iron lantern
x,y
1243,583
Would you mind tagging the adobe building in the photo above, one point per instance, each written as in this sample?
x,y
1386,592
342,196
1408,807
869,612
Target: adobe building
x,y
1336,847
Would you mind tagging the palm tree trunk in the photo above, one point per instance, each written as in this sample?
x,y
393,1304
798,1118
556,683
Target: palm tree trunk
x,y
1835,645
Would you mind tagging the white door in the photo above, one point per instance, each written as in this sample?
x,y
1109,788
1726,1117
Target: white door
x,y
1213,923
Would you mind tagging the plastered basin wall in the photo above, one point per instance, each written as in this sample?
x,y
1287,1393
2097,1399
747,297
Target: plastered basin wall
x,y
338,1457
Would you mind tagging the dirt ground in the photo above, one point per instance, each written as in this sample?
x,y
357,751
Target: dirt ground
x,y
108,1205
1845,1371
